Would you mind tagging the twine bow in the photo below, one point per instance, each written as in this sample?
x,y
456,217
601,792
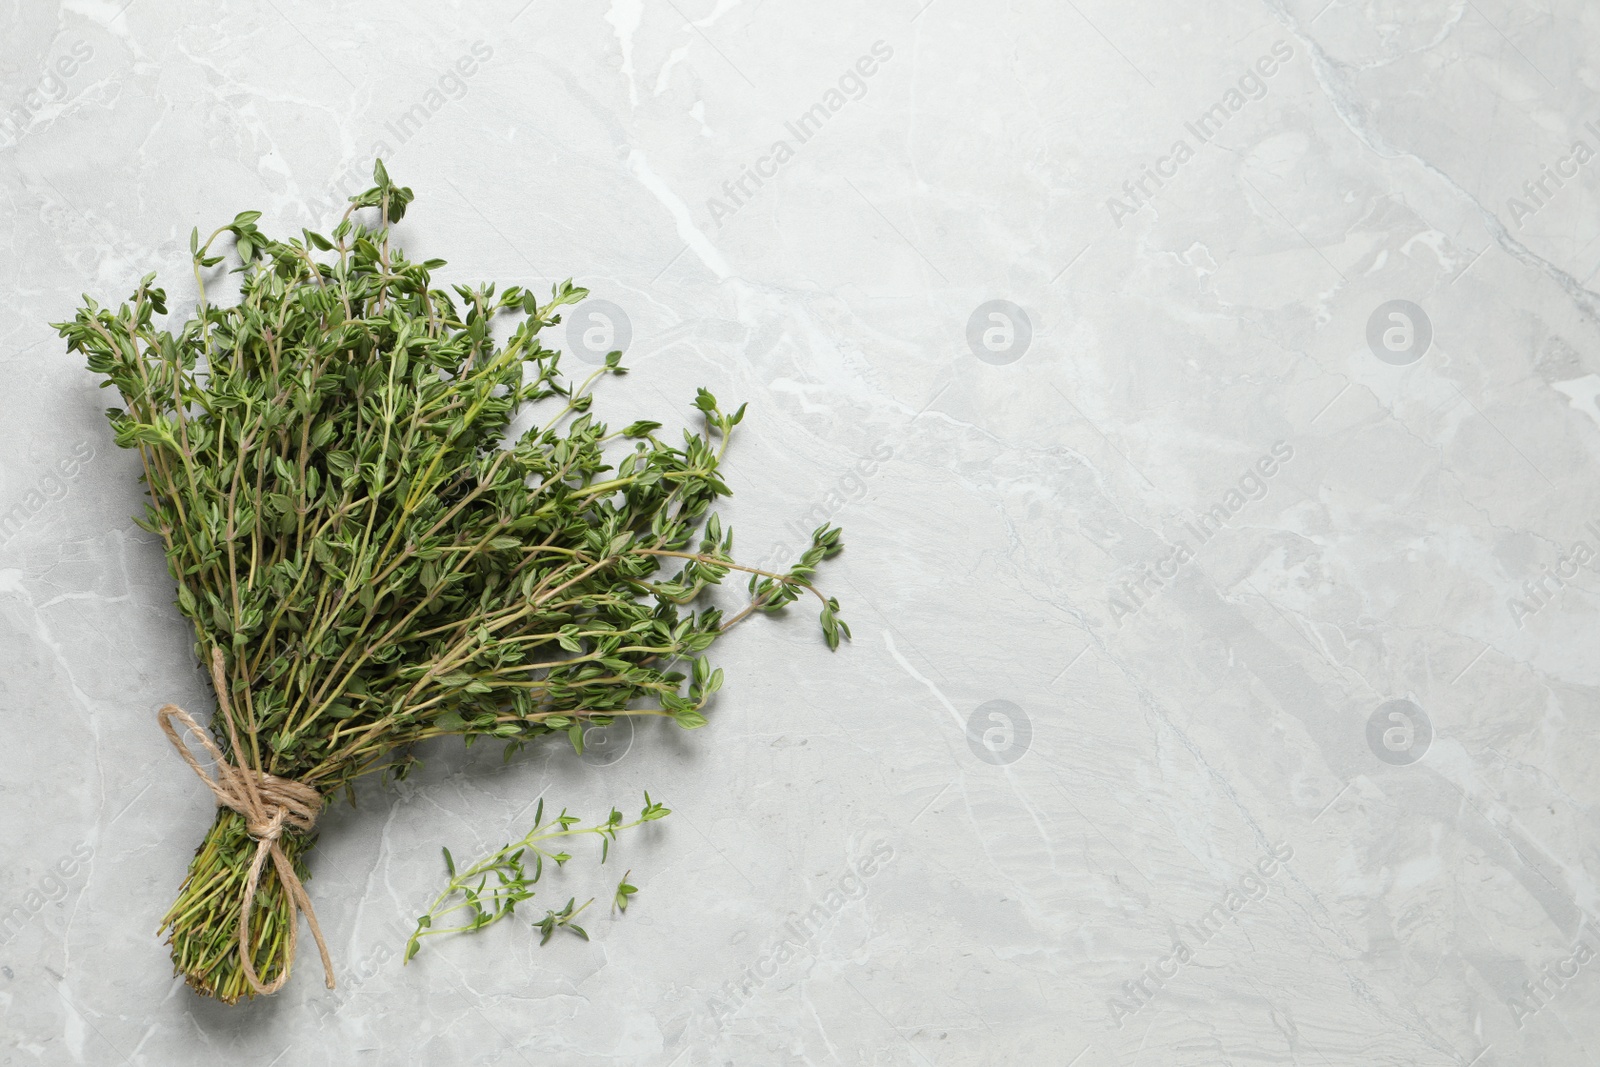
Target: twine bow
x,y
269,804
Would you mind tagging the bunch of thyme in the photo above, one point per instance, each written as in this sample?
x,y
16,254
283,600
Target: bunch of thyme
x,y
328,469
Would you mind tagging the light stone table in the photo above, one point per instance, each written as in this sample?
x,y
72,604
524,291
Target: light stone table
x,y
1208,393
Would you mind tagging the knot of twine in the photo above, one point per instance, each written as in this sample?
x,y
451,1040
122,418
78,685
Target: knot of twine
x,y
269,805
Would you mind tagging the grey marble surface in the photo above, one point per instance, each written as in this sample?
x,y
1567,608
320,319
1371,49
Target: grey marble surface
x,y
1209,396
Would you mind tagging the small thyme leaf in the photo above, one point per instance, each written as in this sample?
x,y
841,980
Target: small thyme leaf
x,y
624,891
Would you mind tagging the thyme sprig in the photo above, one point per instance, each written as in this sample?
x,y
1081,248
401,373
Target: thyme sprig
x,y
486,902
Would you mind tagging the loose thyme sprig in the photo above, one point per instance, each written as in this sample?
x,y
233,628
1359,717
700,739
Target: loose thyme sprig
x,y
487,903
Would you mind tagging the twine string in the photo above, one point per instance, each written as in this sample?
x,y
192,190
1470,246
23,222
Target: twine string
x,y
269,805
